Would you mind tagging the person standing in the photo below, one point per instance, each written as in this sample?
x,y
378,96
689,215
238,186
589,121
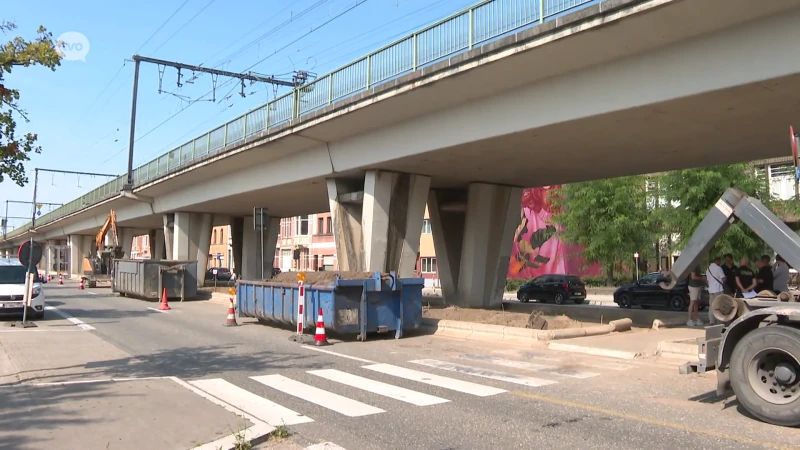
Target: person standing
x,y
764,279
780,275
730,275
696,284
716,285
745,277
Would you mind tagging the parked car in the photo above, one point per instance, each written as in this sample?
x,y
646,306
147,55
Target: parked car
x,y
553,287
223,274
647,293
12,290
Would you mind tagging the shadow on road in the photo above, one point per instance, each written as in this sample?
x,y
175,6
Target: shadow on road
x,y
28,414
183,362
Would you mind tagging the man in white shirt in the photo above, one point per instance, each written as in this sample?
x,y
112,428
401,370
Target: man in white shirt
x,y
716,285
780,275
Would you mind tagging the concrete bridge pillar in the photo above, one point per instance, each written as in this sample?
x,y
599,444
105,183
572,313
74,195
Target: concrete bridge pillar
x,y
377,223
157,244
125,237
473,232
191,240
169,235
50,257
237,236
76,255
252,256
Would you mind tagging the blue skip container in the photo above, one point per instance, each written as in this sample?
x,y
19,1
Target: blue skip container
x,y
351,302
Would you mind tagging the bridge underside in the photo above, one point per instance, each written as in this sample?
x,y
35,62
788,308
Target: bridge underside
x,y
703,83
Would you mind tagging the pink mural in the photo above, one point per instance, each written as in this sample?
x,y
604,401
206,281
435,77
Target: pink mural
x,y
537,250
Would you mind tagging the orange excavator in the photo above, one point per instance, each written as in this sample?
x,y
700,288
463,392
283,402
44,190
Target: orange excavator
x,y
97,267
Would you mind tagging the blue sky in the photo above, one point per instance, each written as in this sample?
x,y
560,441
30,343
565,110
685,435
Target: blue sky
x,y
81,111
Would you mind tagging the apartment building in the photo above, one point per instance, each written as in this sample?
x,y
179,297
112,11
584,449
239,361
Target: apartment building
x,y
305,243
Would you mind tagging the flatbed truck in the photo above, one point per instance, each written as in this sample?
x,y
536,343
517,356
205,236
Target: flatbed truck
x,y
755,350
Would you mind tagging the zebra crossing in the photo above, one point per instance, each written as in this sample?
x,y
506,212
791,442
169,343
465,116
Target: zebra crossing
x,y
424,372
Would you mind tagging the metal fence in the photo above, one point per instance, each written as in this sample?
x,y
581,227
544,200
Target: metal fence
x,y
459,32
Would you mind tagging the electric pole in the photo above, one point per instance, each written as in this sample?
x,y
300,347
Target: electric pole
x,y
299,79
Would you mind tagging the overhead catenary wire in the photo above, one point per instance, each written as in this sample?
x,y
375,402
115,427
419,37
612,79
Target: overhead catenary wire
x,y
184,25
314,29
116,74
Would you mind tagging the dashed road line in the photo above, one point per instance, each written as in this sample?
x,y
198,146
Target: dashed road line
x,y
320,397
81,324
484,373
380,388
453,384
328,352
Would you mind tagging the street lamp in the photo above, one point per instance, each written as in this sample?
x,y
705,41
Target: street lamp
x,y
636,258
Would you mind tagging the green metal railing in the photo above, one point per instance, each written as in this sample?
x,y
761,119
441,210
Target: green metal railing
x,y
459,32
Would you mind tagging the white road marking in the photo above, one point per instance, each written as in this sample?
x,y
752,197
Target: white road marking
x,y
256,431
157,310
268,411
78,322
524,365
585,361
321,350
377,387
94,293
484,373
324,446
335,402
453,384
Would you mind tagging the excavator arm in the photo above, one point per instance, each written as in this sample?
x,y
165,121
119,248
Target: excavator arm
x,y
732,206
109,224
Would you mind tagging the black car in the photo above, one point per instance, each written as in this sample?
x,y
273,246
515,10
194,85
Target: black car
x,y
558,288
646,292
223,274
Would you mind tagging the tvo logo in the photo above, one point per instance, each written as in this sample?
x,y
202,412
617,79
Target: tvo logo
x,y
72,46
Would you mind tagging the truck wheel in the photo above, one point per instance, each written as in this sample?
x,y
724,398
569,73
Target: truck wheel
x,y
765,374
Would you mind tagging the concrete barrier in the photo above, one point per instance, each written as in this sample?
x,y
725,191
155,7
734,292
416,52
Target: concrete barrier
x,y
588,313
519,336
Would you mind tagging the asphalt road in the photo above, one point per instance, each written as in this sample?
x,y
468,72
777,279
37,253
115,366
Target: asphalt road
x,y
419,392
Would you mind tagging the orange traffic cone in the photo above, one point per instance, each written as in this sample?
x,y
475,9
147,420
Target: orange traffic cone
x,y
231,319
164,304
80,284
60,279
319,338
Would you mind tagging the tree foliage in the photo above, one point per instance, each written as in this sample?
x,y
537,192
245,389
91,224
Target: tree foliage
x,y
608,218
16,147
614,218
693,192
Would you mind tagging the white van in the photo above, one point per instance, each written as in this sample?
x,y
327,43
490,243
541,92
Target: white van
x,y
12,290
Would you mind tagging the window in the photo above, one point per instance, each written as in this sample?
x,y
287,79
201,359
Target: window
x,y
329,225
214,238
426,226
301,225
320,225
428,265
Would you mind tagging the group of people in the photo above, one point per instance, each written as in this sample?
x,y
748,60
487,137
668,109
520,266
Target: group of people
x,y
742,281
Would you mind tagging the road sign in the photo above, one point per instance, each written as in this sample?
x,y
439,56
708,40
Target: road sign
x,y
28,257
39,213
301,276
214,271
219,256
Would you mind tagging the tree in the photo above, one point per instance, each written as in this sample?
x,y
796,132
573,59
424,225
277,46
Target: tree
x,y
608,218
691,193
18,52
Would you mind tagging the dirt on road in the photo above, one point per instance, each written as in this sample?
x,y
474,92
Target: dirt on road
x,y
498,317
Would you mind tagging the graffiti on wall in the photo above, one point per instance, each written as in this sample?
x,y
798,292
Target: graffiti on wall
x,y
537,250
